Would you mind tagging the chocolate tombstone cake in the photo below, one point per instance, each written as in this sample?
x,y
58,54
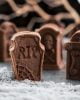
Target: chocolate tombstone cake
x,y
52,40
27,55
7,29
73,57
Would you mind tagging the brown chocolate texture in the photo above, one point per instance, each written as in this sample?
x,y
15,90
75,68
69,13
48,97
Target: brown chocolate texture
x,y
52,40
73,57
7,29
27,55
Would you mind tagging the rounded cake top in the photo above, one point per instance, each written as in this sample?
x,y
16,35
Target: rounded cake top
x,y
76,37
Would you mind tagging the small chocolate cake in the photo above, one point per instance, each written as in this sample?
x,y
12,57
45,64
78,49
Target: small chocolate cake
x,y
27,55
73,57
7,29
52,40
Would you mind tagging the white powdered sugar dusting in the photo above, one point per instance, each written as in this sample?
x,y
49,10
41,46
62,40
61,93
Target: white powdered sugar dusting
x,y
54,86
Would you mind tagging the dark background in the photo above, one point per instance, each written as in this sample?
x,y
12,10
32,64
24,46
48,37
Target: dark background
x,y
24,20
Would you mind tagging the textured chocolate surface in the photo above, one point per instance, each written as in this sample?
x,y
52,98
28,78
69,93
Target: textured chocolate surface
x,y
27,56
7,29
51,38
73,57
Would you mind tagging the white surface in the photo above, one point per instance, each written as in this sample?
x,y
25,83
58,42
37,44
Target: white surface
x,y
53,87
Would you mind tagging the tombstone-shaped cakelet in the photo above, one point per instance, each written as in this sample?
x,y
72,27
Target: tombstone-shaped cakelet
x,y
73,57
52,40
27,55
7,29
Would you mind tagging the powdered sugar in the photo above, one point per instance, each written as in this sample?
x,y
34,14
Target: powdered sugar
x,y
53,87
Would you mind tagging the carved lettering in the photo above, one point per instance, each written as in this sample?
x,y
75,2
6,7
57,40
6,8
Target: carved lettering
x,y
27,52
22,52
